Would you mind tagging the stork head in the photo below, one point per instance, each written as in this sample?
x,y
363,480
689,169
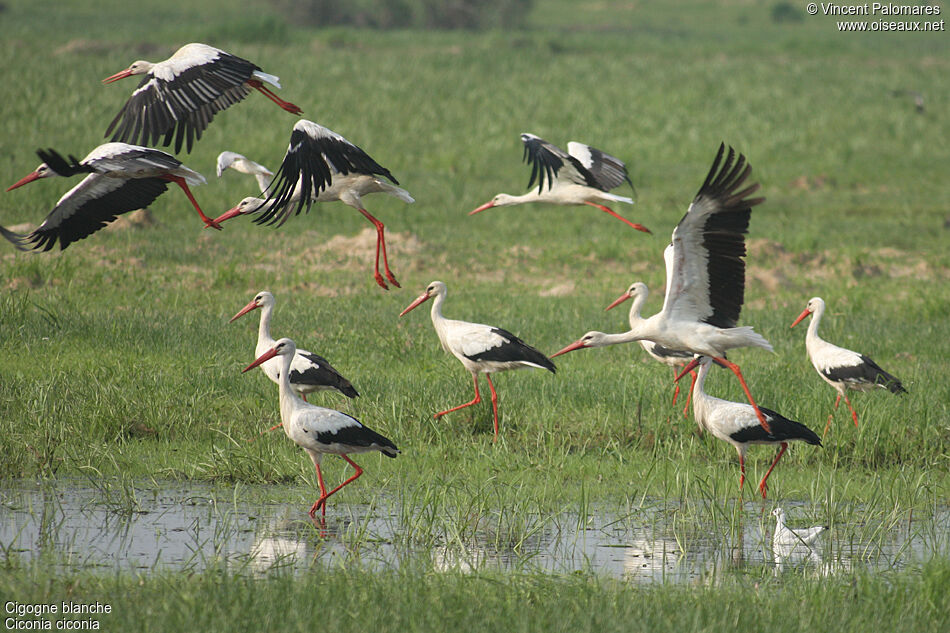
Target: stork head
x,y
434,289
250,204
282,347
815,304
779,515
501,200
591,339
137,68
43,171
262,299
637,288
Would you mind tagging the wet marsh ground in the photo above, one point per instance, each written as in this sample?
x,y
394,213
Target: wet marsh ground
x,y
127,474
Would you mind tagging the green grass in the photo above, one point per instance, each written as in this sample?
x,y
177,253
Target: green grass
x,y
117,361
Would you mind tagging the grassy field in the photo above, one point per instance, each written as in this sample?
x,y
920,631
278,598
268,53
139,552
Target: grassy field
x,y
117,361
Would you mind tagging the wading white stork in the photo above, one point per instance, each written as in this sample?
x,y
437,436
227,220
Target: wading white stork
x,y
482,349
121,178
737,424
581,175
786,536
317,430
322,166
178,97
839,367
673,358
308,371
705,276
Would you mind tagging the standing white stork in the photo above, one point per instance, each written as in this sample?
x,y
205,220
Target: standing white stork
x,y
121,178
309,372
179,96
705,276
736,423
244,165
317,430
673,358
581,175
839,367
482,349
322,166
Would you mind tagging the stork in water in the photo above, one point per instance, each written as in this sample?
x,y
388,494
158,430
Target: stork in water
x,y
179,96
482,349
581,175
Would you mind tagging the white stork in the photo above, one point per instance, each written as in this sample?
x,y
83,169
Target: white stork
x,y
582,175
482,349
705,276
839,367
322,166
244,165
178,97
673,358
785,536
737,424
121,178
309,372
317,430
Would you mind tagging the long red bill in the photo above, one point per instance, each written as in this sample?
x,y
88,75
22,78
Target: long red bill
x,y
487,205
689,367
266,356
420,299
227,215
570,348
801,316
122,74
617,301
250,306
22,181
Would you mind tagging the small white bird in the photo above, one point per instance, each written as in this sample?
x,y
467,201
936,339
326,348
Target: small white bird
x,y
320,431
839,367
179,96
121,178
737,424
482,349
581,175
785,535
242,164
322,166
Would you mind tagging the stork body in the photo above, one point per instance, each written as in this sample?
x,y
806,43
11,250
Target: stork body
x,y
482,349
581,175
705,277
179,96
737,424
839,367
120,178
317,430
322,166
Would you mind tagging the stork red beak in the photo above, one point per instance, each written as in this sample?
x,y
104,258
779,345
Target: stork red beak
x,y
570,348
227,215
419,300
618,301
22,181
693,364
266,356
250,306
122,74
487,205
801,316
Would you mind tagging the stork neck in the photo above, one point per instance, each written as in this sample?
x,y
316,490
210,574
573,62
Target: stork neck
x,y
812,334
263,327
634,317
289,399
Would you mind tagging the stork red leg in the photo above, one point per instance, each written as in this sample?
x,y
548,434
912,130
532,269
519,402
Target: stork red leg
x,y
381,245
831,415
494,405
676,391
854,414
741,473
178,180
475,400
769,472
745,388
608,210
324,495
264,90
693,375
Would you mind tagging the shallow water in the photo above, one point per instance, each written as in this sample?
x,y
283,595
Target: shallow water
x,y
70,526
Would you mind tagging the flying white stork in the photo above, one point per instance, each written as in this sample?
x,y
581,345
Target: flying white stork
x,y
673,358
839,367
178,97
121,178
309,372
322,166
705,276
581,175
482,349
736,423
317,430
